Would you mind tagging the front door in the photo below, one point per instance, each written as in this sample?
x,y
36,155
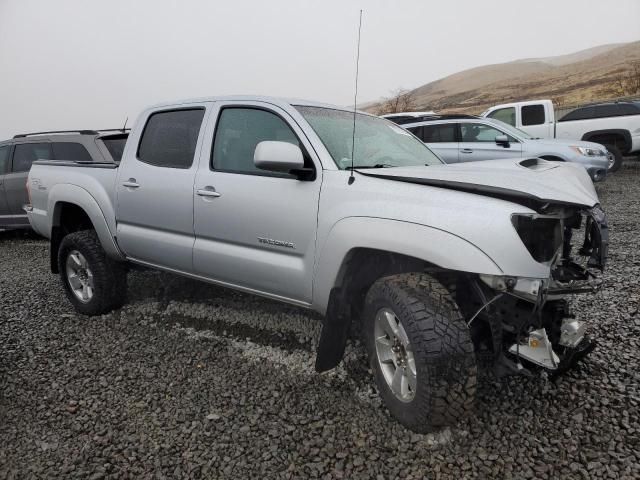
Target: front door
x,y
155,189
478,142
255,229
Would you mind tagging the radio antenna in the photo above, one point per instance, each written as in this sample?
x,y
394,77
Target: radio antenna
x,y
125,124
355,103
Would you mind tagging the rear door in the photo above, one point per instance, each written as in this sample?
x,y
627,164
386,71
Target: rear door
x,y
478,142
255,229
442,139
24,154
4,168
155,188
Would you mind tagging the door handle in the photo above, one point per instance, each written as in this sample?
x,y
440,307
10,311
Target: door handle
x,y
466,150
131,183
207,192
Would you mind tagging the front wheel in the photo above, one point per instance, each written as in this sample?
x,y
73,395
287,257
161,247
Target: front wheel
x,y
420,351
93,283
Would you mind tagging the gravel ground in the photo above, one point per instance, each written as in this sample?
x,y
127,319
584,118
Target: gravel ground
x,y
189,380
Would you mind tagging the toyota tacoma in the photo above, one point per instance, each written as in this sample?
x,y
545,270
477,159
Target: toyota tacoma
x,y
437,266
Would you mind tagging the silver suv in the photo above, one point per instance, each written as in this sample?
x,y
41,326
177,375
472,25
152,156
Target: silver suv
x,y
466,138
17,155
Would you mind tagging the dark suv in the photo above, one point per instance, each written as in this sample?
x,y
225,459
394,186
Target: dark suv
x,y
17,155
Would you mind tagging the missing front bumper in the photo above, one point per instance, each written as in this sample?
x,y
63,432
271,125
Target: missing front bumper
x,y
537,349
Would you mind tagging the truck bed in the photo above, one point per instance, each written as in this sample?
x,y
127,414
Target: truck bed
x,y
94,180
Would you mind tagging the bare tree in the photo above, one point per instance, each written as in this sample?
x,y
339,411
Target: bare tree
x,y
401,100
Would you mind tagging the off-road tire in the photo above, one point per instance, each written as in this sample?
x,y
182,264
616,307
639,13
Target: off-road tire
x,y
109,276
617,158
441,344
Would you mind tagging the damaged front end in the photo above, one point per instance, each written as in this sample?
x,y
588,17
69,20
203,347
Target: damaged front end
x,y
514,319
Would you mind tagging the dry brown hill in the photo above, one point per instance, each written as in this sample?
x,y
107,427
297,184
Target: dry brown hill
x,y
588,75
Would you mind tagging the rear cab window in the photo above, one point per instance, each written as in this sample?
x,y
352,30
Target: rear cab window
x,y
169,138
115,145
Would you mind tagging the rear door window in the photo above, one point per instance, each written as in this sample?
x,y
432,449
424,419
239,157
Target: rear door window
x,y
70,151
439,133
532,114
169,138
27,153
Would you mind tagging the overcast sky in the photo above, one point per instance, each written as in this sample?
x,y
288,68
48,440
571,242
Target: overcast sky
x,y
90,64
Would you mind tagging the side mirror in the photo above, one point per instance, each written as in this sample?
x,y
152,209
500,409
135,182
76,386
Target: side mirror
x,y
502,140
278,156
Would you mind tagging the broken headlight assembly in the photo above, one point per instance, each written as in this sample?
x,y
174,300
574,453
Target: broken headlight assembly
x,y
540,234
529,318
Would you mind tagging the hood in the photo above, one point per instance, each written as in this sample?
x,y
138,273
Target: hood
x,y
554,142
525,181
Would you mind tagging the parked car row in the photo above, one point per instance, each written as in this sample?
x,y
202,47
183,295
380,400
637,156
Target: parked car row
x,y
584,135
346,214
467,138
616,125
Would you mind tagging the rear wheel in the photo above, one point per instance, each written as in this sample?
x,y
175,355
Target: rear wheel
x,y
614,157
93,283
420,351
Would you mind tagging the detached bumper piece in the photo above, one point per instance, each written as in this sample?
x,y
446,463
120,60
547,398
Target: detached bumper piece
x,y
574,345
596,239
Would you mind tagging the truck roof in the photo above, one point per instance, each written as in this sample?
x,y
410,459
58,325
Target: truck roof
x,y
279,101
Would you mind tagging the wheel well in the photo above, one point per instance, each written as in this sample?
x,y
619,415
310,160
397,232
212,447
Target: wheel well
x,y
67,218
360,269
617,139
363,266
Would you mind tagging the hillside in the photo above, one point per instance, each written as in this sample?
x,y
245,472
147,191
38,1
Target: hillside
x,y
583,76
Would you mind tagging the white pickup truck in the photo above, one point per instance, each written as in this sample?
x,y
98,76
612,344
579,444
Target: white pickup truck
x,y
614,125
434,263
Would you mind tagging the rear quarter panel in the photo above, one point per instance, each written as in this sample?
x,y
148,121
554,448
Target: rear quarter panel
x,y
87,187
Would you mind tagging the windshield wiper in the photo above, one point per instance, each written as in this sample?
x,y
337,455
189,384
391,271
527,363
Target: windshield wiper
x,y
377,165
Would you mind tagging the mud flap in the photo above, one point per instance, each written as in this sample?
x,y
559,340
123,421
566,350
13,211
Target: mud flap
x,y
335,330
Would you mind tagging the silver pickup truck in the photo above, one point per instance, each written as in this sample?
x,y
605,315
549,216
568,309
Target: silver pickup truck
x,y
437,266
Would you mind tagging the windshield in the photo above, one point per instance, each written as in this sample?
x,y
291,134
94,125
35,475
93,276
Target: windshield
x,y
516,132
378,142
